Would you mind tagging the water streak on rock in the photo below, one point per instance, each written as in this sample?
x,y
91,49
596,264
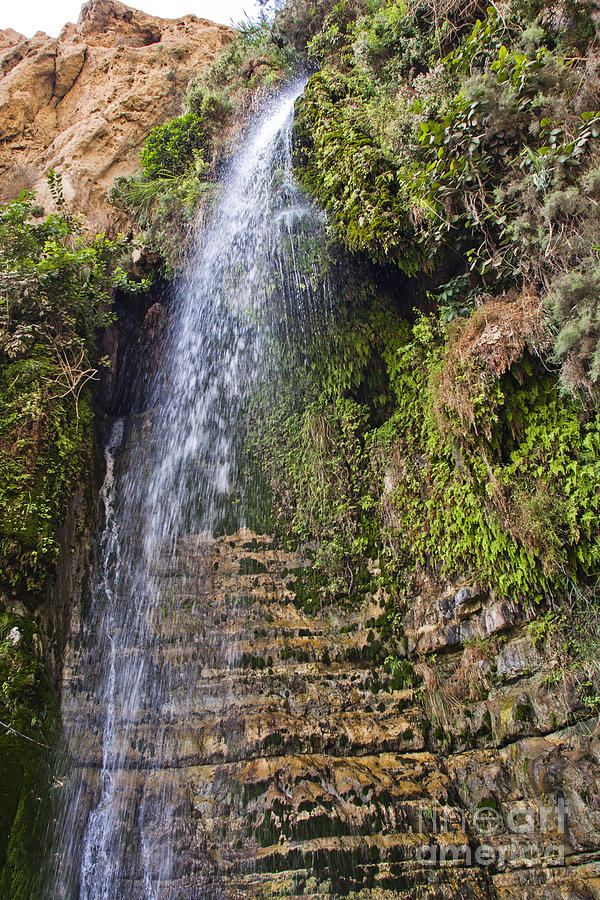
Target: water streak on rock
x,y
172,479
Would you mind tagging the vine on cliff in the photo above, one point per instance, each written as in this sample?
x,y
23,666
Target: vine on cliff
x,y
56,296
507,493
56,288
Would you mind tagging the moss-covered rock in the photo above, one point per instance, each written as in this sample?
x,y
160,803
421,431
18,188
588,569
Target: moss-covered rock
x,y
56,297
29,728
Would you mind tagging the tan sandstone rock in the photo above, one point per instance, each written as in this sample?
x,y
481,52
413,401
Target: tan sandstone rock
x,y
84,103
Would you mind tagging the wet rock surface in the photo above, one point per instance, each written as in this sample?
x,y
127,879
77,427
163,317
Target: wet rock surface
x,y
296,766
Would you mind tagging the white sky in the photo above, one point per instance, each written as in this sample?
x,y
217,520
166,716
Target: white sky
x,y
29,16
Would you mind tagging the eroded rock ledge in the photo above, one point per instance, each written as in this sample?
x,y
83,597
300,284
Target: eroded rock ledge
x,y
298,768
84,102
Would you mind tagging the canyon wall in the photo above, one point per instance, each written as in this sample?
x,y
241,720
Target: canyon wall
x,y
467,767
83,103
299,767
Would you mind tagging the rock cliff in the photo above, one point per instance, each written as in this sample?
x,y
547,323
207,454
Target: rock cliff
x,y
297,762
83,103
303,769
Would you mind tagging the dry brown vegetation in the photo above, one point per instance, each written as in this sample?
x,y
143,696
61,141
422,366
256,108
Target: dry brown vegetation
x,y
484,347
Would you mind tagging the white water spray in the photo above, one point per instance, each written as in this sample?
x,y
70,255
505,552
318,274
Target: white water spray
x,y
255,272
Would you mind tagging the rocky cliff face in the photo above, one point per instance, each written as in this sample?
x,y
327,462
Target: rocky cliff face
x,y
299,767
84,103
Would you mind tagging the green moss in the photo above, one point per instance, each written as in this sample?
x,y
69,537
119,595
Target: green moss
x,y
251,661
251,566
354,178
57,298
308,589
486,725
28,705
523,712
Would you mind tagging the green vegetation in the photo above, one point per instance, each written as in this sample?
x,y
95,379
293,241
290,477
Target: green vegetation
x,y
471,147
458,146
501,483
464,150
458,149
56,295
177,170
179,161
255,62
28,705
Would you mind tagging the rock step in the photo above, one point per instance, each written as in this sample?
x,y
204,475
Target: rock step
x,y
293,764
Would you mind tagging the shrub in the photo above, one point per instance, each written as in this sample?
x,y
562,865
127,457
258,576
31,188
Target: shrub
x,y
57,291
169,149
177,171
56,287
173,148
296,23
254,62
495,175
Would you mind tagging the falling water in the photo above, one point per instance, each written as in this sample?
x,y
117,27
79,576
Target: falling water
x,y
172,475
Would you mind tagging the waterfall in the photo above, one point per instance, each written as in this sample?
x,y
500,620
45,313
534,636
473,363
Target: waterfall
x,y
254,281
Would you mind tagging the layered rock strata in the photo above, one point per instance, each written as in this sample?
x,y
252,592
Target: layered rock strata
x,y
297,767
